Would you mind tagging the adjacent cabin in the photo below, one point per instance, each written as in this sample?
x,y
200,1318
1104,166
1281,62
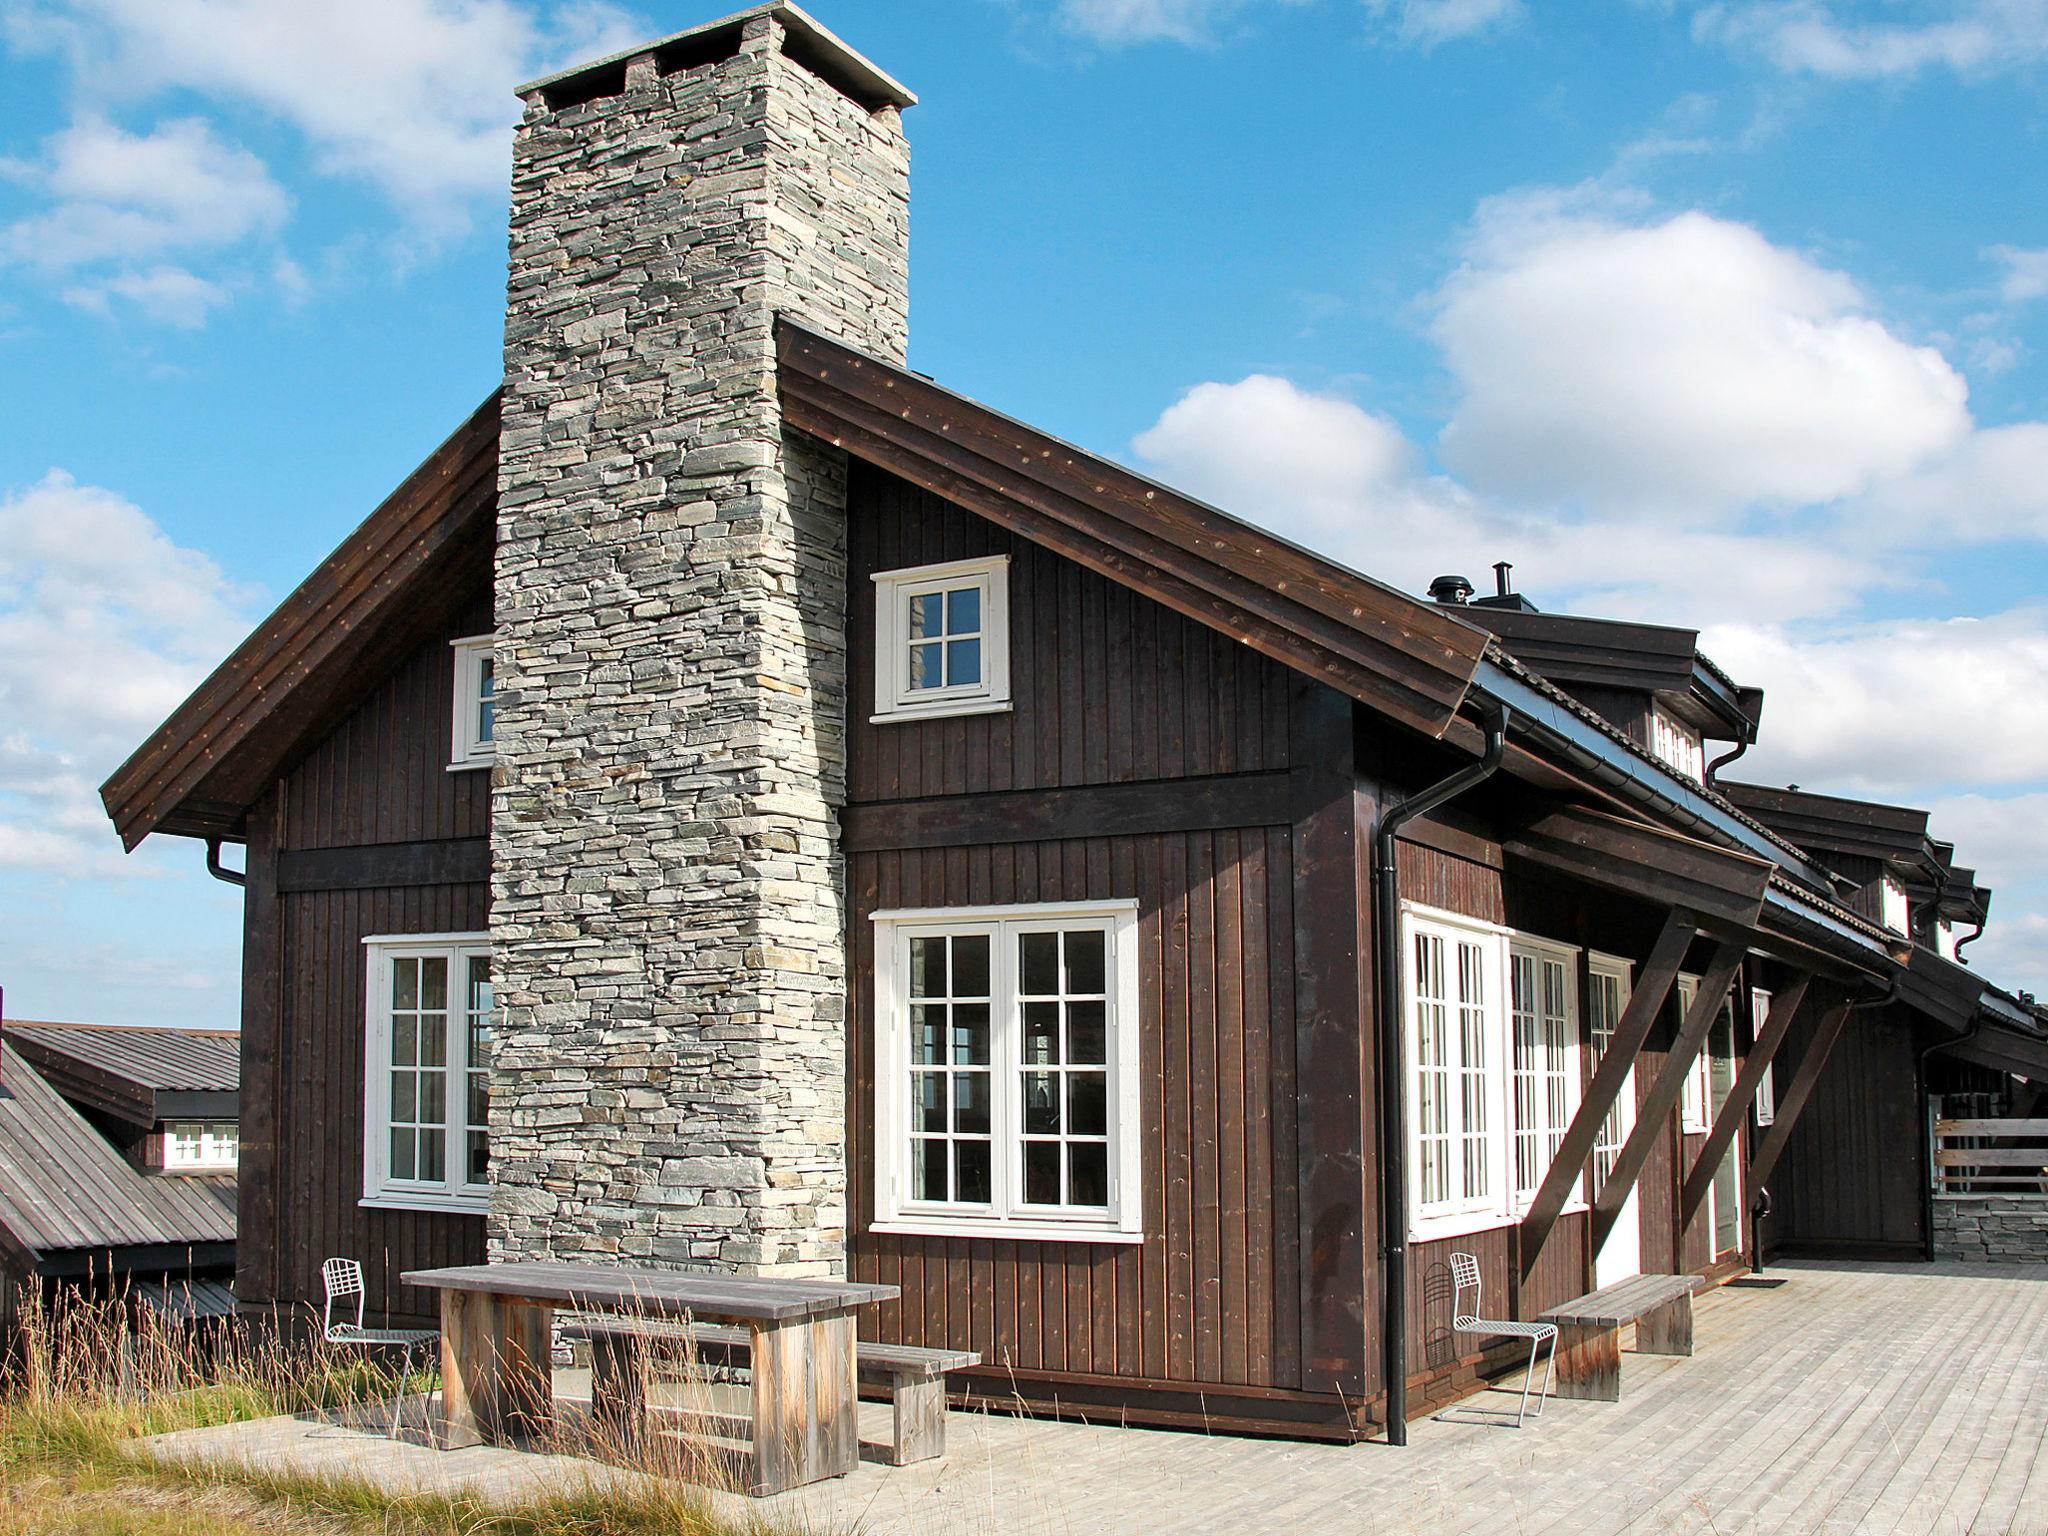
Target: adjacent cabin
x,y
167,1099
741,804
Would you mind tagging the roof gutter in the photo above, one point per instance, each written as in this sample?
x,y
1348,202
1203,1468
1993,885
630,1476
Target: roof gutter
x,y
1393,1066
1544,719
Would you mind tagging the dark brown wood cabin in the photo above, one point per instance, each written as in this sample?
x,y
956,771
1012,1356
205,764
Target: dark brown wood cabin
x,y
1208,725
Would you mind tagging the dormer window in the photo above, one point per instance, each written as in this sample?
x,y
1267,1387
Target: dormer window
x,y
472,738
942,640
1677,745
1893,909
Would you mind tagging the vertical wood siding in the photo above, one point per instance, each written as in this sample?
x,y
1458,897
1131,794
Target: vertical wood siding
x,y
1212,1295
1107,686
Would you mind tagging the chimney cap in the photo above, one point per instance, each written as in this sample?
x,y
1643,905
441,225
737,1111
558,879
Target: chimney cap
x,y
1450,589
815,45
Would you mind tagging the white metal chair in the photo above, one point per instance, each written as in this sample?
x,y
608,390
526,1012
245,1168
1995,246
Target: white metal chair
x,y
1466,1319
343,1279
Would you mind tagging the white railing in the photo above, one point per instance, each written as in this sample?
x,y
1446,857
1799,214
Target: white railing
x,y
1979,1157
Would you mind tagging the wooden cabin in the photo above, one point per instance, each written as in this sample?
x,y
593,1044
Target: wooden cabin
x,y
821,825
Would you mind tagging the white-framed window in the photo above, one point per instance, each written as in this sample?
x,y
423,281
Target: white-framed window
x,y
1677,745
201,1146
1006,1071
427,1064
1766,1085
1692,1104
1944,938
1894,910
942,639
472,733
1543,1007
1609,980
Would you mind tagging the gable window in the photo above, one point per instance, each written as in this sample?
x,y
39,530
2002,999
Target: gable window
x,y
201,1146
1894,911
1006,1071
942,639
1677,745
472,737
1544,1014
1766,1086
426,1123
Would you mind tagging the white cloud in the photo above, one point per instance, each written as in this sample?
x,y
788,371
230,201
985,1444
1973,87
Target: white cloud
x,y
2026,273
105,625
2004,838
412,96
1808,37
1429,22
1991,486
1686,366
168,294
1122,22
1897,707
123,196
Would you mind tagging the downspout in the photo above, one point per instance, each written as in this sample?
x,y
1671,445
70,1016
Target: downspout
x,y
1393,1067
1927,1130
1743,743
218,870
1976,933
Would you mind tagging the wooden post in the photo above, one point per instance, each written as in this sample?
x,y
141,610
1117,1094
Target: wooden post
x,y
920,1419
497,1368
805,1402
465,1356
1666,1330
1796,1095
1664,1094
1645,1002
1784,1008
618,1387
1589,1362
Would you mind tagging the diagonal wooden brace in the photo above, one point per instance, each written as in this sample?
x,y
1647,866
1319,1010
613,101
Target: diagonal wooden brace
x,y
1785,1006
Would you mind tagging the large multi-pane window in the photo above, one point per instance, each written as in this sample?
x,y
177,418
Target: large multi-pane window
x,y
1006,1070
1495,1066
1544,1018
1607,992
427,1071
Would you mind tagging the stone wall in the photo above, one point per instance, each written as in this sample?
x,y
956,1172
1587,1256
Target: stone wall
x,y
1991,1229
666,882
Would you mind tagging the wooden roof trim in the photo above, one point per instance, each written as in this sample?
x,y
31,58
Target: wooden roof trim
x,y
1383,647
1647,862
349,590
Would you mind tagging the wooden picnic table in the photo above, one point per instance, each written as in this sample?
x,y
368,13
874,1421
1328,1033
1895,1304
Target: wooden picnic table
x,y
497,1372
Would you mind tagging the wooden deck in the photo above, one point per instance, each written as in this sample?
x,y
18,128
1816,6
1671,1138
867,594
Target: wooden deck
x,y
1854,1399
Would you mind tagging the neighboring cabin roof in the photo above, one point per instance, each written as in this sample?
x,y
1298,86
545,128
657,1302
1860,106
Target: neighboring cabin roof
x,y
66,1194
141,1075
391,581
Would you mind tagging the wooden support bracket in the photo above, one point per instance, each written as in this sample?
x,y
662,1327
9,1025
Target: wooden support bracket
x,y
1785,1007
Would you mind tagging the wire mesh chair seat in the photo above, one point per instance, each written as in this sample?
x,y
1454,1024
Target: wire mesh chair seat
x,y
343,1279
1464,1278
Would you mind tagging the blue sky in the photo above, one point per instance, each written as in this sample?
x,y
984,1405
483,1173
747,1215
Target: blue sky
x,y
1730,315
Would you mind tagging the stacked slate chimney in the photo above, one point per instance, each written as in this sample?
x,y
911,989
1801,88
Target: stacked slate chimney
x,y
666,886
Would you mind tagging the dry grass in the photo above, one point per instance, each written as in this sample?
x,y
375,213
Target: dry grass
x,y
92,1384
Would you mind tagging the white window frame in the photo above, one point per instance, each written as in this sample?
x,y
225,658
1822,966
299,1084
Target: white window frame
x,y
453,1192
1766,1107
1621,1119
1895,909
1461,1210
1006,1215
895,699
1549,1130
1677,745
1692,1103
466,748
216,1146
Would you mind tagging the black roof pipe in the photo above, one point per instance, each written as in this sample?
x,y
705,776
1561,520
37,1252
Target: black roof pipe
x,y
1393,1066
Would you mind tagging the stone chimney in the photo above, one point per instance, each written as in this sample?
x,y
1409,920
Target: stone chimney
x,y
667,906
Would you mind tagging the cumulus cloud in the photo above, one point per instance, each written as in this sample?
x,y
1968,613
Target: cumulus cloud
x,y
168,294
1687,366
2026,273
1992,486
105,624
412,96
1897,707
1809,37
1427,23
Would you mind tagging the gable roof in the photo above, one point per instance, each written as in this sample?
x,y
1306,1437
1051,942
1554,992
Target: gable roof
x,y
65,1192
375,596
1407,658
140,1075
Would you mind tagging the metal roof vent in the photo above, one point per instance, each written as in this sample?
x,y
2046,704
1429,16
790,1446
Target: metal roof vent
x,y
1450,590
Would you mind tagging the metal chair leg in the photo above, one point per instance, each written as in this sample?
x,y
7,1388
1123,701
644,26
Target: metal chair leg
x,y
1528,1377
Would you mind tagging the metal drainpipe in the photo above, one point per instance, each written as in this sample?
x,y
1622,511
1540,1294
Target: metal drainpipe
x,y
218,870
1742,744
1976,933
1393,1067
1927,1132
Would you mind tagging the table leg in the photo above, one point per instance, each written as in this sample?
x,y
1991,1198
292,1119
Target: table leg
x,y
805,1402
497,1368
618,1388
1589,1362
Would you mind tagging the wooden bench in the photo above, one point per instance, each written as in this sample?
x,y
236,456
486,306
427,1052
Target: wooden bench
x,y
915,1377
1589,1331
